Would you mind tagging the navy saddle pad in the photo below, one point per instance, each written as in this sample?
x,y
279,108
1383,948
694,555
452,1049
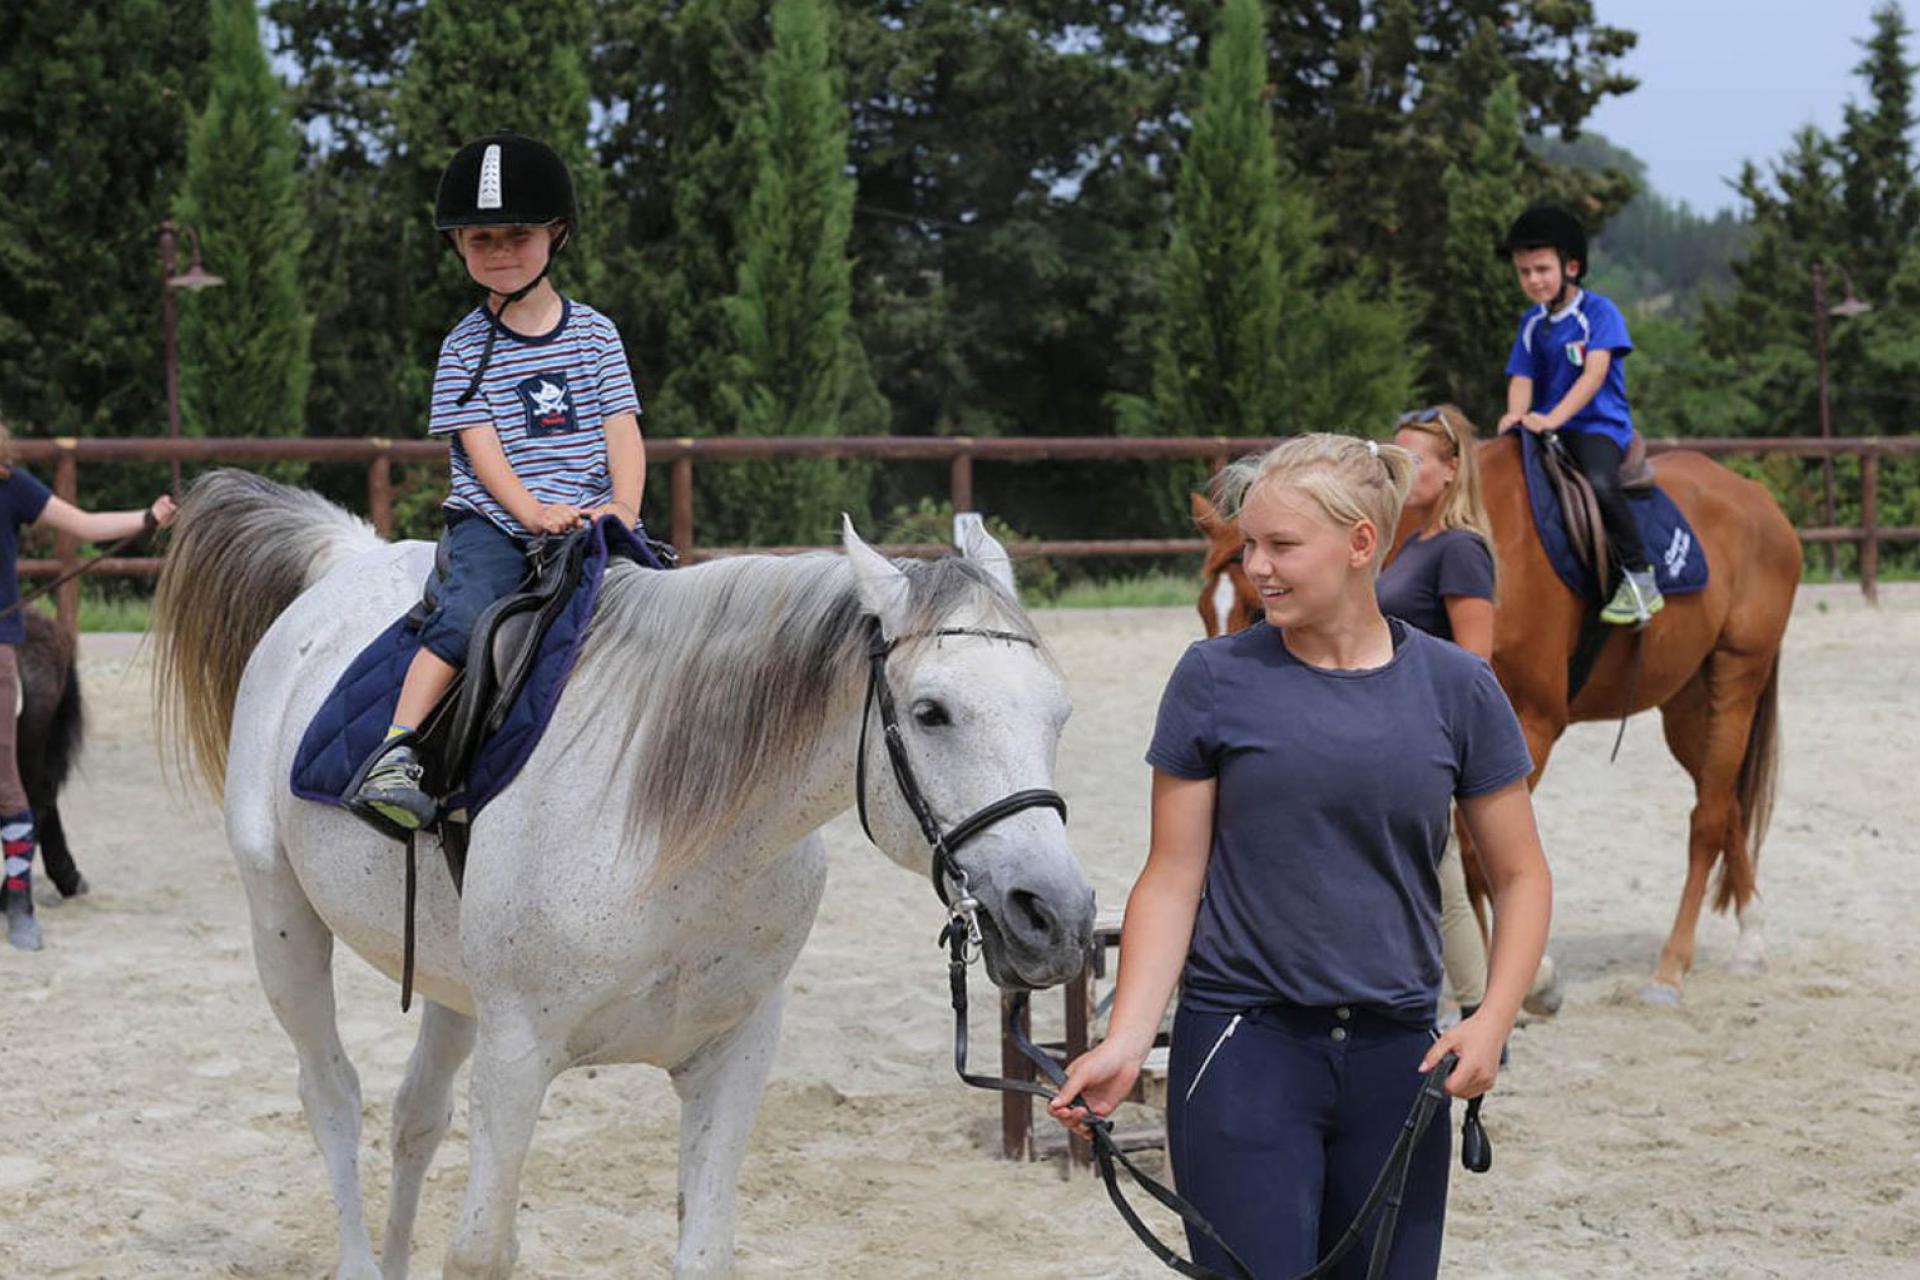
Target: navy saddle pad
x,y
1679,561
354,718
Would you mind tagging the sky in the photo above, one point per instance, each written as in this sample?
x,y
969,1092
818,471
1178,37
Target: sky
x,y
1722,81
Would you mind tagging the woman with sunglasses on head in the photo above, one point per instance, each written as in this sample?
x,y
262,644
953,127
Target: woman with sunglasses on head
x,y
1441,577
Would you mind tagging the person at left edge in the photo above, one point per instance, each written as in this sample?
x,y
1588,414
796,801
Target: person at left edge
x,y
534,390
27,503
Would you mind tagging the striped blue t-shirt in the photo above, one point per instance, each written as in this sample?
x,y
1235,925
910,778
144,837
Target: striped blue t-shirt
x,y
547,396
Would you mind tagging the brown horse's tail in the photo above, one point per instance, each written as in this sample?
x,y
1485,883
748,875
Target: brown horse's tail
x,y
243,549
1759,772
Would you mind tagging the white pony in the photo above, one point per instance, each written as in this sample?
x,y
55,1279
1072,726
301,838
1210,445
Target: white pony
x,y
640,891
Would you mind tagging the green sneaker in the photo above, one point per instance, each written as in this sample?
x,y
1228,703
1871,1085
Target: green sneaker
x,y
1635,603
392,789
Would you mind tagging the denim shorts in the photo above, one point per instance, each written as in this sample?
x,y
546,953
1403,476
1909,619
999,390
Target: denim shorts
x,y
484,563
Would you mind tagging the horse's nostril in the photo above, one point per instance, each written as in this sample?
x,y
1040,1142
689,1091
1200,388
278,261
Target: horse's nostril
x,y
1031,915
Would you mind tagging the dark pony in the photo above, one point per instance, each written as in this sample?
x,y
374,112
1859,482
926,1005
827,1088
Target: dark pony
x,y
49,738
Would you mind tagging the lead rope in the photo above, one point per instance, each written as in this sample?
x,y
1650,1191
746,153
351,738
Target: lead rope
x,y
1388,1188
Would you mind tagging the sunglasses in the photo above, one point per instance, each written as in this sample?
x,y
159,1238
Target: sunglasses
x,y
1421,417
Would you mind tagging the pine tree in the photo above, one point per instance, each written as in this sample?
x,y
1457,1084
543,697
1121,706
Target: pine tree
x,y
244,367
1879,189
795,366
1472,317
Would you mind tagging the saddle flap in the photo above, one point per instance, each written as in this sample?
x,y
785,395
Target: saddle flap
x,y
1636,469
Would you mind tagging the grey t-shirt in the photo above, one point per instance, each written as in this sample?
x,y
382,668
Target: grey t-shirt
x,y
1334,793
1415,586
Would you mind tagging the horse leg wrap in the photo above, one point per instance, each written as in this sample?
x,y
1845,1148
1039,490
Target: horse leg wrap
x,y
17,841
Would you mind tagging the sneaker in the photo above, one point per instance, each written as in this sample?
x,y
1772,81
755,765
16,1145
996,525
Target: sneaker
x,y
392,789
1637,600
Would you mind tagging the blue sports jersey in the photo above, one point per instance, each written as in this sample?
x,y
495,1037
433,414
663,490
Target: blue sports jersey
x,y
1552,350
547,396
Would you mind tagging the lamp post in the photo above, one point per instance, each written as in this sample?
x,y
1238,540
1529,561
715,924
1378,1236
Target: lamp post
x,y
195,277
1851,305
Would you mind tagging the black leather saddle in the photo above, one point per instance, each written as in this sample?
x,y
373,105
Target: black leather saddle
x,y
500,656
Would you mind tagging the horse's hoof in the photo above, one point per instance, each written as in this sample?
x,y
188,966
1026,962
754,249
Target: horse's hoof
x,y
1546,997
1748,966
80,888
1660,995
23,931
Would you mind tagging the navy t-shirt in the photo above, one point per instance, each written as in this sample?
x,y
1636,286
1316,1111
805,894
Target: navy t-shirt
x,y
1414,587
22,499
1551,348
1335,790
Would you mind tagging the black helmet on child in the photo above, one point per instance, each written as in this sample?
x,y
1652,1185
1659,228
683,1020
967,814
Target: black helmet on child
x,y
1548,226
506,179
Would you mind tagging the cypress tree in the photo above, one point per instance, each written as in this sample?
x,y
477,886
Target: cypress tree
x,y
1472,319
244,365
93,104
796,367
477,67
1215,369
1251,341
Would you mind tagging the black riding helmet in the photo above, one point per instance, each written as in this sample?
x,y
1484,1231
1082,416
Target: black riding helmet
x,y
505,179
1548,226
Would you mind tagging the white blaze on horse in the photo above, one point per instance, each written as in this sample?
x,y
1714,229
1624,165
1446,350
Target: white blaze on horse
x,y
641,889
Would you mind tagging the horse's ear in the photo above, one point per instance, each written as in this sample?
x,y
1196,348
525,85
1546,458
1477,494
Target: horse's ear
x,y
883,588
1206,515
976,544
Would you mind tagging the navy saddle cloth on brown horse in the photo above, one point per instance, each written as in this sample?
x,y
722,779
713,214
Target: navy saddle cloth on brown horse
x,y
1679,561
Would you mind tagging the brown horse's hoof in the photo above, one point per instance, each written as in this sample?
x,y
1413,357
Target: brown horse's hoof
x,y
1546,997
1660,995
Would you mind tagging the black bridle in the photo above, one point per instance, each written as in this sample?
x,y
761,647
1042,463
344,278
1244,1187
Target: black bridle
x,y
962,937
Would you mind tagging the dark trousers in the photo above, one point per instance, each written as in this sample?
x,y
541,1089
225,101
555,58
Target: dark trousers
x,y
1600,459
484,563
1277,1130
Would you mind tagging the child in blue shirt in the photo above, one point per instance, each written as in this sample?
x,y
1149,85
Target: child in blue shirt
x,y
534,392
1564,375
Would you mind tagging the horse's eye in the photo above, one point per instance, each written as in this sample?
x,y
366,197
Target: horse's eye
x,y
930,714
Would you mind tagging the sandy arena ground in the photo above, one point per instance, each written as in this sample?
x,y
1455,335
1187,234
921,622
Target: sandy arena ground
x,y
1770,1127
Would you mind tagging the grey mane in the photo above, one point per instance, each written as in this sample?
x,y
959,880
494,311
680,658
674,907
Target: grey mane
x,y
726,672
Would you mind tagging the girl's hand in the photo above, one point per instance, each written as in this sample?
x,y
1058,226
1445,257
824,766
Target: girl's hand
x,y
1508,421
1103,1077
1537,423
555,517
1478,1040
162,511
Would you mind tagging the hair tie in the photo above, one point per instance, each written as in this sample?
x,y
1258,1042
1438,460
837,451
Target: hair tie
x,y
1373,447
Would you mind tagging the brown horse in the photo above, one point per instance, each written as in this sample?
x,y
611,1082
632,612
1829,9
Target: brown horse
x,y
1709,661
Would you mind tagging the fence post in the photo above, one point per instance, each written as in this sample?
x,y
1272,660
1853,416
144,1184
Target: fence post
x,y
960,476
682,496
66,547
1870,523
380,488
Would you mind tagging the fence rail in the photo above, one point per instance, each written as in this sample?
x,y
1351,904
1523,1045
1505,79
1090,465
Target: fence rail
x,y
679,454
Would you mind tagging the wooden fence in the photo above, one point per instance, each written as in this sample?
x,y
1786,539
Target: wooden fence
x,y
679,454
